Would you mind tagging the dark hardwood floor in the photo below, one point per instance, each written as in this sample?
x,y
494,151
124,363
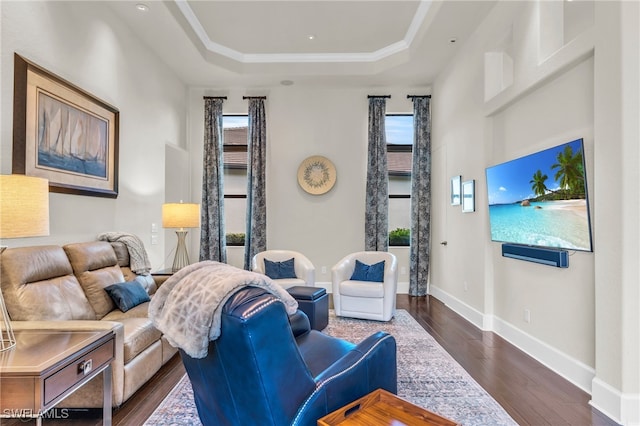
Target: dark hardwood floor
x,y
531,393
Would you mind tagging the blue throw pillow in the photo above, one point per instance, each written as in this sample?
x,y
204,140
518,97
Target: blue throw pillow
x,y
127,295
279,270
364,272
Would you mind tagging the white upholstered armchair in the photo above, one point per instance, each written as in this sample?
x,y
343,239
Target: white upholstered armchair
x,y
305,272
365,299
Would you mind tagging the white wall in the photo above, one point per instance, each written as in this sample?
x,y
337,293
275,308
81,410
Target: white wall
x,y
304,121
177,188
88,46
583,322
558,112
616,387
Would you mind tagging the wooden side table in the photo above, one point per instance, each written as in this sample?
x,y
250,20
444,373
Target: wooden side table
x,y
46,366
383,408
161,275
163,272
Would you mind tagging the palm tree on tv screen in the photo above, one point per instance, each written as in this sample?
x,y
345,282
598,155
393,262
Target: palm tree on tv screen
x,y
537,183
570,172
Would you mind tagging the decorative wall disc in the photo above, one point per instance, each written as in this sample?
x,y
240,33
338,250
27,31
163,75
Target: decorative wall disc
x,y
316,175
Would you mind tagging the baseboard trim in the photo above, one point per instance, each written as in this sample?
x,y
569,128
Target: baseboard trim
x,y
569,368
324,284
469,313
620,407
623,408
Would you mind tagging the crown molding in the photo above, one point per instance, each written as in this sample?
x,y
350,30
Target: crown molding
x,y
255,58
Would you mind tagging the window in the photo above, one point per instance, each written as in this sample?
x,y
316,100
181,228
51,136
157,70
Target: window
x,y
399,133
235,129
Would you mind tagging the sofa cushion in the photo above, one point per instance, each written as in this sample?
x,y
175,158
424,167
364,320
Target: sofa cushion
x,y
127,295
140,311
96,266
122,253
38,284
139,334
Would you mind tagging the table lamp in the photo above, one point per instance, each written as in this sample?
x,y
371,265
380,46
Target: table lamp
x,y
180,215
24,212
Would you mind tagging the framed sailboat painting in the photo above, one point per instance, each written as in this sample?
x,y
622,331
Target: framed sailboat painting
x,y
64,134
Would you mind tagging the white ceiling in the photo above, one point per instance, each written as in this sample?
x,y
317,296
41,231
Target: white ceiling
x,y
259,43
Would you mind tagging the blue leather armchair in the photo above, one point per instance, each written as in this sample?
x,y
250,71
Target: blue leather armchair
x,y
267,368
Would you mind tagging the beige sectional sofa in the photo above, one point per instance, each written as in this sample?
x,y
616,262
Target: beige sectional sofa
x,y
62,288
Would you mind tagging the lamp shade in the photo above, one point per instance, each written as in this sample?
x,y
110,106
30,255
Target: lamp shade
x,y
180,215
24,206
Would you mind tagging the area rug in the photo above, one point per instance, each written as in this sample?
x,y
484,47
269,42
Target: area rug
x,y
427,376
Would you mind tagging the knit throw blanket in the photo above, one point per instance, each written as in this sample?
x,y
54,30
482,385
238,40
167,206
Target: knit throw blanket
x,y
138,258
187,307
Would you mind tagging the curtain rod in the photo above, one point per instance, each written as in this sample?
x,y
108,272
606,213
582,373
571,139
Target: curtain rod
x,y
418,96
254,97
379,96
214,97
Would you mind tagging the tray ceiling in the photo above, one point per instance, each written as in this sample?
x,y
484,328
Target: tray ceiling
x,y
260,42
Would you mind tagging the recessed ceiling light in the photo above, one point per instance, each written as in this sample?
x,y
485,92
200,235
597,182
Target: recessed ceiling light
x,y
142,7
311,37
287,82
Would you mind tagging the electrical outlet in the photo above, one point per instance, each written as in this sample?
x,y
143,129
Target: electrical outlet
x,y
527,316
324,269
403,270
154,240
466,286
154,228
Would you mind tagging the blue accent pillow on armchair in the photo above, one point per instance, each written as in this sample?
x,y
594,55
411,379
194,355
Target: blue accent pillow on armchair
x,y
364,272
127,295
279,270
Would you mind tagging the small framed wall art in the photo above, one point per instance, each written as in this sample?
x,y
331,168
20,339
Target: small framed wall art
x,y
468,196
455,190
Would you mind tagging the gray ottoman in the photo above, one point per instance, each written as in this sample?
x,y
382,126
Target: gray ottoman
x,y
314,302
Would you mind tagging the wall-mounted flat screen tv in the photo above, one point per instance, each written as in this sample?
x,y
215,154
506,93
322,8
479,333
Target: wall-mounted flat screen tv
x,y
541,199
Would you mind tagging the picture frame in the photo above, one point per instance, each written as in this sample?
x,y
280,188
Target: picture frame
x,y
455,190
63,133
468,196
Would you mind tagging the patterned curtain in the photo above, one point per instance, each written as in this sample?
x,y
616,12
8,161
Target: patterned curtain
x,y
212,237
377,202
420,197
256,235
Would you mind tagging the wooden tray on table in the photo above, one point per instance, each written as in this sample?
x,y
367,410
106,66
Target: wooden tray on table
x,y
383,408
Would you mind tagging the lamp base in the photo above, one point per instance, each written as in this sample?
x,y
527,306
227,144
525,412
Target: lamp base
x,y
182,257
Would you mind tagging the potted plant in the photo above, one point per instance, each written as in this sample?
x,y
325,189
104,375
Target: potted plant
x,y
399,237
235,239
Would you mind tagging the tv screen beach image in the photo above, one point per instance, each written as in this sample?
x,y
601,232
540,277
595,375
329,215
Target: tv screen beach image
x,y
541,199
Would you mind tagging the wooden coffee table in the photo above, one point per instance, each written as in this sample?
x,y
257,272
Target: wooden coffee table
x,y
383,408
47,366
